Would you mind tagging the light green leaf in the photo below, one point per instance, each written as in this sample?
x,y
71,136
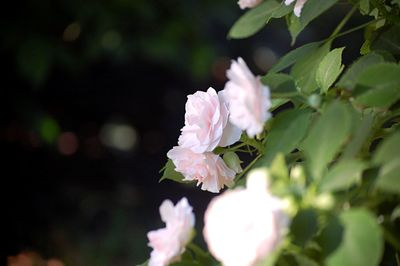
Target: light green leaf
x,y
293,56
287,130
170,173
255,19
350,76
281,85
342,175
388,150
389,176
329,69
276,103
278,169
305,69
326,137
364,7
311,10
362,243
378,85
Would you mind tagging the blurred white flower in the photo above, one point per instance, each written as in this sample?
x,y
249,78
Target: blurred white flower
x,y
206,123
206,168
248,3
297,7
243,226
249,100
169,243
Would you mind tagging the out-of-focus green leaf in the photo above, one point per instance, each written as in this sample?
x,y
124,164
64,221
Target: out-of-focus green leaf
x,y
255,19
170,173
389,176
278,168
362,243
305,69
342,175
287,130
388,150
350,76
378,85
326,137
304,226
293,56
311,10
389,40
281,85
329,69
331,236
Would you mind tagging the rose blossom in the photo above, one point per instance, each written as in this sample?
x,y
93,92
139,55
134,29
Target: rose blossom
x,y
297,7
248,3
206,168
206,123
169,243
243,226
249,100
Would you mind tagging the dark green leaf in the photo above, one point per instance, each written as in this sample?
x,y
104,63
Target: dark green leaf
x,y
342,175
255,19
311,10
378,85
326,137
287,130
350,76
362,243
389,40
305,69
329,69
293,56
304,226
331,236
281,85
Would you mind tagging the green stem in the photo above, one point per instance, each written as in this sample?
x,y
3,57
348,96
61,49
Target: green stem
x,y
248,167
343,22
355,28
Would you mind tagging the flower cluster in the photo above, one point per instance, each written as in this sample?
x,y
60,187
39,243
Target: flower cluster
x,y
217,120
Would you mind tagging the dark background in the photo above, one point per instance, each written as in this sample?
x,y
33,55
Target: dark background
x,y
92,98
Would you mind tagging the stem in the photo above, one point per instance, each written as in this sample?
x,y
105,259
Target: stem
x,y
343,22
248,167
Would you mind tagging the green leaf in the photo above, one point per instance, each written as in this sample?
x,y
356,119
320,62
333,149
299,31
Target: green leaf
x,y
293,56
378,85
255,19
389,176
278,169
388,150
362,243
311,10
342,175
281,85
331,236
389,40
170,173
305,69
287,130
364,7
350,77
304,226
276,103
329,69
146,263
326,137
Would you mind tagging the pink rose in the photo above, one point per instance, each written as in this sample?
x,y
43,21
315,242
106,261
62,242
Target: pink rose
x,y
243,226
249,100
206,123
297,7
206,168
169,243
248,3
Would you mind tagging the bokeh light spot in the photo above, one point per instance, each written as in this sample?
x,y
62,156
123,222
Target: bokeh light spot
x,y
118,136
67,143
71,32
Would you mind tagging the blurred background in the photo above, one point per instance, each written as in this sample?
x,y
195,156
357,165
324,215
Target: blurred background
x,y
92,98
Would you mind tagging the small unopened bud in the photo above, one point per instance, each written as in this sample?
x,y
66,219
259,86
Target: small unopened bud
x,y
324,201
314,100
233,161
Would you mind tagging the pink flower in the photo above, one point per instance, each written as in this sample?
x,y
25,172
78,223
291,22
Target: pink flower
x,y
243,226
297,7
206,123
206,168
169,243
249,100
248,3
